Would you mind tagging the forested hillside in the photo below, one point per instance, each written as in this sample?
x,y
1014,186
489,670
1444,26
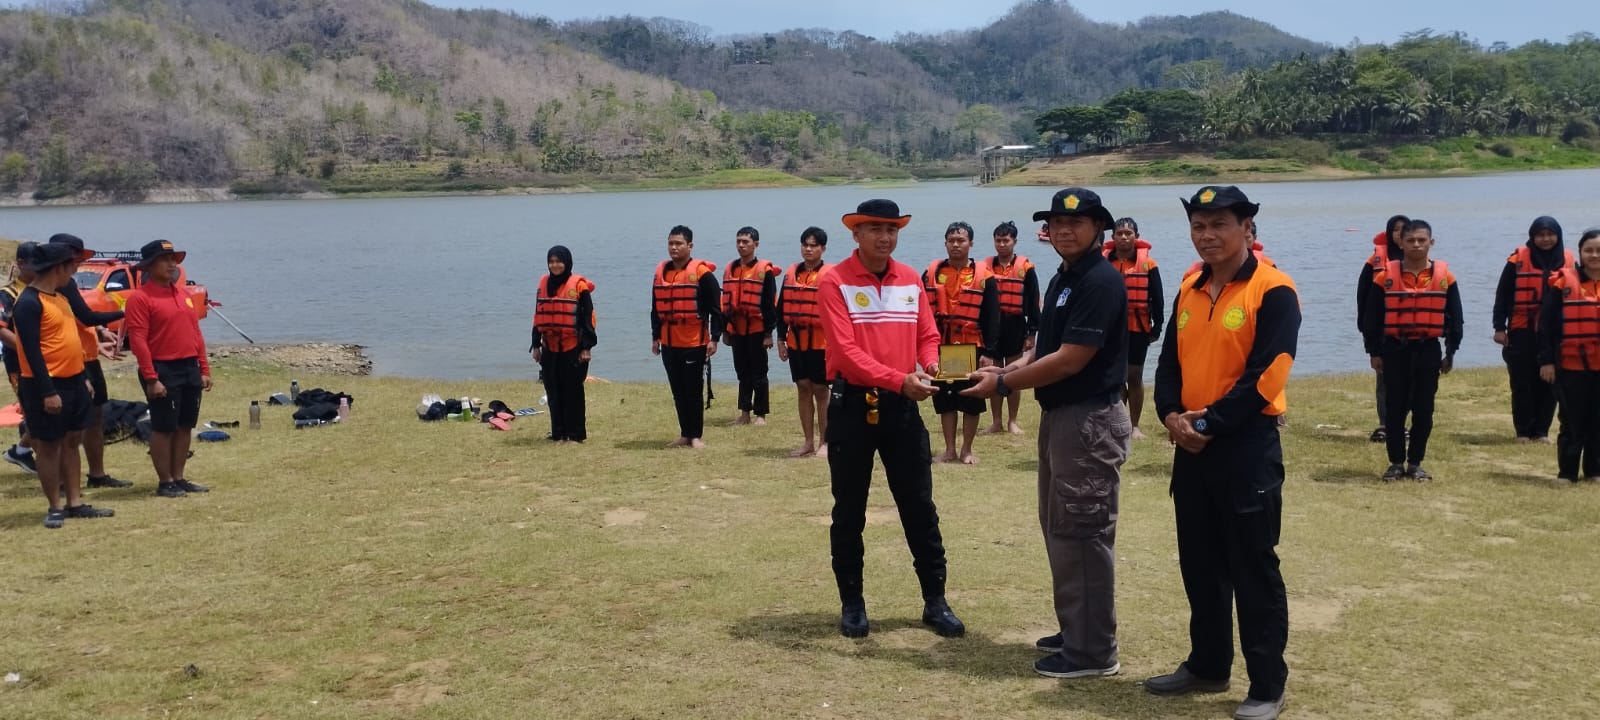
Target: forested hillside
x,y
119,96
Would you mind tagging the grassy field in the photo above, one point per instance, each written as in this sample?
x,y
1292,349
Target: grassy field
x,y
394,569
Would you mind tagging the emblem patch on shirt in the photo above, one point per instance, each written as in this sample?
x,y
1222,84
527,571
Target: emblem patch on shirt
x,y
862,300
1183,319
572,293
1233,319
1061,300
942,279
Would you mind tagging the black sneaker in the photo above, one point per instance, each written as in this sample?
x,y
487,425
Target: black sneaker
x,y
108,482
89,511
937,614
1050,643
170,490
1058,666
190,487
1395,472
1418,474
853,620
1378,436
26,462
55,518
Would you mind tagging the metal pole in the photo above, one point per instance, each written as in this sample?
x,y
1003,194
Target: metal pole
x,y
236,329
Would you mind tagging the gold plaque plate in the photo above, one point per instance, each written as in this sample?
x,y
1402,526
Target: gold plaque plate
x,y
956,362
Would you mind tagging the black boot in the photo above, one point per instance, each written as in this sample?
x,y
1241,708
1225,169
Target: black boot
x,y
853,609
936,613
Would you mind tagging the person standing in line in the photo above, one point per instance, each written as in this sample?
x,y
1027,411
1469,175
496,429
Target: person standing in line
x,y
804,347
686,324
1385,245
879,328
164,335
1078,367
1018,287
1415,302
749,305
94,345
1220,386
1130,255
53,389
1569,358
20,453
563,336
1516,318
966,307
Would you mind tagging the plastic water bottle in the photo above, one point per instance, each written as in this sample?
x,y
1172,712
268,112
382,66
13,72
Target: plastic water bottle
x,y
255,415
344,409
294,391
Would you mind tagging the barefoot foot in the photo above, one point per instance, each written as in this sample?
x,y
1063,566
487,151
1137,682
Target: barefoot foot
x,y
759,421
967,458
803,451
946,456
1016,429
697,444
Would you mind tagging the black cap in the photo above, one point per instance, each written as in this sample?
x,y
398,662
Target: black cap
x,y
74,242
157,248
1076,201
1220,197
878,210
48,255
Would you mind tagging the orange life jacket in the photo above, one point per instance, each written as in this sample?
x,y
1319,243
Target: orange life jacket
x,y
741,296
957,316
1009,281
1580,320
1257,249
1136,275
676,302
1380,252
800,311
556,315
1414,313
1530,286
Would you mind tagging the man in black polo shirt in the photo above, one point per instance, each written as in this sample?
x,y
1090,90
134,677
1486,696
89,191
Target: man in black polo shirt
x,y
1078,364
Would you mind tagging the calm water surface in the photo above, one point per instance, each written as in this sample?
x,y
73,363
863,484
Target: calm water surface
x,y
443,287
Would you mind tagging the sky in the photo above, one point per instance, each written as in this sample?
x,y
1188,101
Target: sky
x,y
1336,23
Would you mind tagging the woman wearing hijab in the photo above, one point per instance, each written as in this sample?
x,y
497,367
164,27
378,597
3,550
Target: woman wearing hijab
x,y
1385,245
1516,321
563,334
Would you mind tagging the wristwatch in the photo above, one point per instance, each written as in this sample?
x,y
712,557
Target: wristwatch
x,y
1000,388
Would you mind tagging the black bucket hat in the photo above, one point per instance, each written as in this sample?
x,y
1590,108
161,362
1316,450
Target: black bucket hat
x,y
155,249
1220,197
876,211
1076,201
48,255
74,242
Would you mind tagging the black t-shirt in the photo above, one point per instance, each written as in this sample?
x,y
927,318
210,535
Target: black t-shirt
x,y
1085,304
7,301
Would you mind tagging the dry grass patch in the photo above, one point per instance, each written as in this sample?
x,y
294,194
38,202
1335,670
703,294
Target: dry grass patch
x,y
392,568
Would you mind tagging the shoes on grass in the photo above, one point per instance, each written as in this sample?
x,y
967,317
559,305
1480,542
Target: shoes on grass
x,y
1182,682
1396,471
108,482
853,620
26,462
190,487
936,613
1050,643
89,511
1415,472
170,490
1058,666
55,518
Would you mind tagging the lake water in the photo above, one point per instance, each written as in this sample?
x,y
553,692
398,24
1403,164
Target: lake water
x,y
443,287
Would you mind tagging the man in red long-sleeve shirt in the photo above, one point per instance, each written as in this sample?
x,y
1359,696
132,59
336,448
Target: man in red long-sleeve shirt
x,y
165,338
879,328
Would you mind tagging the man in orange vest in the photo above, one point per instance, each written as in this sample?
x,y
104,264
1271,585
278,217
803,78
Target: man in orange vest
x,y
1414,303
749,308
804,346
1516,320
1220,386
966,306
1018,285
1385,245
685,326
1130,255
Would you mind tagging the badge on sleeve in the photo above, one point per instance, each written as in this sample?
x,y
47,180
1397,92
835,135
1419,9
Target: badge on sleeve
x,y
1061,301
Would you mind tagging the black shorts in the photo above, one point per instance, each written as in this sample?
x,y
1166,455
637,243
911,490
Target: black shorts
x,y
75,406
950,399
1138,348
97,382
809,365
181,407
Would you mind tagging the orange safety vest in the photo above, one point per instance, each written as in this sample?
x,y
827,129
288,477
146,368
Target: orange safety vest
x,y
677,303
741,296
1530,286
555,315
1580,320
1009,281
1414,313
957,313
800,311
1136,275
1257,249
1380,252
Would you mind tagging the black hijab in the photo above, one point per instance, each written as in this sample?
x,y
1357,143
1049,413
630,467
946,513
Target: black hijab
x,y
1390,231
559,252
1553,258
